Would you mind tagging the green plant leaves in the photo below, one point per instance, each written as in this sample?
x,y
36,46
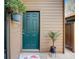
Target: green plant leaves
x,y
54,35
16,5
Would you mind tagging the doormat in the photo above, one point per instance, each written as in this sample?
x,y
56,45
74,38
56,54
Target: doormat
x,y
29,57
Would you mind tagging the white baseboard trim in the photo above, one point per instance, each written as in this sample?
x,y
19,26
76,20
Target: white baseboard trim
x,y
29,50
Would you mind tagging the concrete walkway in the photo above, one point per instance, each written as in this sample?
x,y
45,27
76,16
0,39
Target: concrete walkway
x,y
67,55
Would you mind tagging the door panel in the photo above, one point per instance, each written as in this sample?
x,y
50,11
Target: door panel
x,y
31,30
67,41
72,36
69,38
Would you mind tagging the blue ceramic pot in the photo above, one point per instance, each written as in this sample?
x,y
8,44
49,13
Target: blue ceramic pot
x,y
16,17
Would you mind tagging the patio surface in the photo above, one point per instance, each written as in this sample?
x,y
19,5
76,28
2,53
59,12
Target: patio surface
x,y
67,55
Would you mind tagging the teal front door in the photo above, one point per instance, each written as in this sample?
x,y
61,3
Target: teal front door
x,y
30,34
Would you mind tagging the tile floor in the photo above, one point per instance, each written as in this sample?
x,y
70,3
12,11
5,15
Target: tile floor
x,y
67,55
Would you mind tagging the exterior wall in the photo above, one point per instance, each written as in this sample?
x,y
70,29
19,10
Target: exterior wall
x,y
51,19
15,39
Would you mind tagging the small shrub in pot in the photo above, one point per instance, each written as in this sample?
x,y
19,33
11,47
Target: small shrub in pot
x,y
16,8
53,36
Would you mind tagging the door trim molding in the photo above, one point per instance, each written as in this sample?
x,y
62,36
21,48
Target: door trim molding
x,y
39,34
35,50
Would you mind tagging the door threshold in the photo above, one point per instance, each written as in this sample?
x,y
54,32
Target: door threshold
x,y
30,50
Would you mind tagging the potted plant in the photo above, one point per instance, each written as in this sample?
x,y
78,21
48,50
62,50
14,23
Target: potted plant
x,y
53,36
16,8
8,7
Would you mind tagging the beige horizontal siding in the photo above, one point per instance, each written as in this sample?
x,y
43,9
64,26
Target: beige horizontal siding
x,y
51,19
33,1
